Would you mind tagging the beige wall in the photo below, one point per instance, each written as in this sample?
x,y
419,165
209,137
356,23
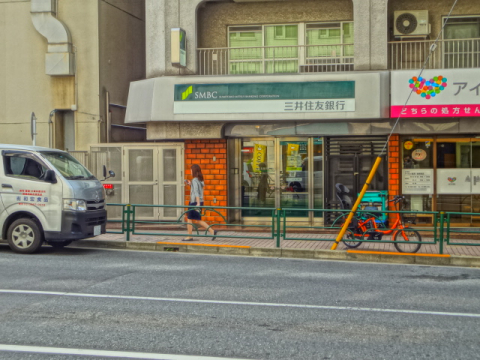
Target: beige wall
x,y
436,9
82,21
25,88
122,52
213,18
22,76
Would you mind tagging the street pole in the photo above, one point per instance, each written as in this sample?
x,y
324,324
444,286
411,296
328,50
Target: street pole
x,y
33,128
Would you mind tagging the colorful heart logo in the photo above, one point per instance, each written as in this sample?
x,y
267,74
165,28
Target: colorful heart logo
x,y
452,179
428,88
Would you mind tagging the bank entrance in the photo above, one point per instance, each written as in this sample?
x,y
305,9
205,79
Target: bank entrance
x,y
289,173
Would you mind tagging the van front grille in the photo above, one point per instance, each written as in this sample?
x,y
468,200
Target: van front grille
x,y
93,205
96,221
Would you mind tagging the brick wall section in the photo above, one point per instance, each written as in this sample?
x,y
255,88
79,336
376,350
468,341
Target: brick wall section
x,y
393,171
201,152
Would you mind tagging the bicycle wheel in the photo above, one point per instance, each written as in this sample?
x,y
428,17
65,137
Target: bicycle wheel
x,y
349,239
403,239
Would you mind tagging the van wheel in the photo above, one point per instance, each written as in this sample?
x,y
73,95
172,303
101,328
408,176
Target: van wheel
x,y
60,244
24,236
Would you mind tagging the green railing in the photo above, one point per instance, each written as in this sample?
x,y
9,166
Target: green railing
x,y
461,233
132,226
337,218
280,227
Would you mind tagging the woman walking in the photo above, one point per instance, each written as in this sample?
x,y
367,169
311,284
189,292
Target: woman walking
x,y
196,199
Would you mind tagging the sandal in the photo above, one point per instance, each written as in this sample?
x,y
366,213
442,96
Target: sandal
x,y
187,239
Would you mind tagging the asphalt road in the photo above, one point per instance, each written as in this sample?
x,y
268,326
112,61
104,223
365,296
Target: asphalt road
x,y
76,303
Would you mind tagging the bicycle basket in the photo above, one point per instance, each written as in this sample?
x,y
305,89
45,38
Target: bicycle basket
x,y
409,218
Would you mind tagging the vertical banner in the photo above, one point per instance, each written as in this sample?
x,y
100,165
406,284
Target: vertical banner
x,y
294,159
259,156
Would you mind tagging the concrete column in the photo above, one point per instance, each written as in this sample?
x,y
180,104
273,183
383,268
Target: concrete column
x,y
155,18
362,31
379,35
161,16
371,34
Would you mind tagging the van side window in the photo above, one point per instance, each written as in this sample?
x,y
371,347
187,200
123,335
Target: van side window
x,y
23,167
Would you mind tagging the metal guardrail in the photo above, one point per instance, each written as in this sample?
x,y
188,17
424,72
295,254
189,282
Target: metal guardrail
x,y
339,216
279,227
129,223
447,54
275,59
461,231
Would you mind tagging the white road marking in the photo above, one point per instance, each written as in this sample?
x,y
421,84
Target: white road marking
x,y
243,303
104,353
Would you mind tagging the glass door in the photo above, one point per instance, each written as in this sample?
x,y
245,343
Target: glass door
x,y
155,177
295,184
276,173
258,176
171,181
142,167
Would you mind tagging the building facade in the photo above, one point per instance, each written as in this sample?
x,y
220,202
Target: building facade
x,y
66,61
296,94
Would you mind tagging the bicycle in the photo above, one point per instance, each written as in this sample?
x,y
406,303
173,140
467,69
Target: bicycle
x,y
371,228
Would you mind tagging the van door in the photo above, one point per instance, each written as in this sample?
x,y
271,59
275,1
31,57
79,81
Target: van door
x,y
3,187
23,189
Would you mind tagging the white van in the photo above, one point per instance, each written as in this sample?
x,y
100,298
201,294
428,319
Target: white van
x,y
46,195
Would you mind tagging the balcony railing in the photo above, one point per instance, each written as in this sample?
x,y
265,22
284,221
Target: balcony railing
x,y
275,59
448,54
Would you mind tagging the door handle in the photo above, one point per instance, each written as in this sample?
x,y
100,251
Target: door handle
x,y
355,173
7,186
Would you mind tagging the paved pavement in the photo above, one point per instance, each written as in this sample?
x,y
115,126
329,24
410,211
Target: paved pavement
x,y
300,245
314,241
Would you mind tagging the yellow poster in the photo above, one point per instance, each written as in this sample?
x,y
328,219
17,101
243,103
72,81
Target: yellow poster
x,y
259,156
292,149
294,160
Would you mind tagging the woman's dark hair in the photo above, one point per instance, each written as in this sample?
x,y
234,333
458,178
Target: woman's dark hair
x,y
197,172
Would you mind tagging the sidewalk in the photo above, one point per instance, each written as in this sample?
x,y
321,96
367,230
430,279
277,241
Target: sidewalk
x,y
458,255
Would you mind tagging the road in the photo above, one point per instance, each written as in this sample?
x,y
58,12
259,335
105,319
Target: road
x,y
103,304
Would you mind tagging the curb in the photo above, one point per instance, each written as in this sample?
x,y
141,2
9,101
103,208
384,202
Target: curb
x,y
342,255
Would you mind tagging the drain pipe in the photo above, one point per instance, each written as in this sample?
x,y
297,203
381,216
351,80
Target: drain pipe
x,y
59,59
50,126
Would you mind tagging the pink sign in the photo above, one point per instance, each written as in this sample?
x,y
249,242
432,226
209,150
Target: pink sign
x,y
435,110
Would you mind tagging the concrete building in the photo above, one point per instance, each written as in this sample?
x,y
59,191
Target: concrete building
x,y
280,101
59,59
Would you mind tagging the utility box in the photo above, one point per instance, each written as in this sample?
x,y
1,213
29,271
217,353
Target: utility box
x,y
376,200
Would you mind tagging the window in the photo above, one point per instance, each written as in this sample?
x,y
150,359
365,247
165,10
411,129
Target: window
x,y
462,42
67,165
24,167
267,49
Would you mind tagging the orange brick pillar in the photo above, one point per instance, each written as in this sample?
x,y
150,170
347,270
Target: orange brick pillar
x,y
202,152
393,171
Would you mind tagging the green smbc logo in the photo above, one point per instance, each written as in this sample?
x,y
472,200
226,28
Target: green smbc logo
x,y
187,92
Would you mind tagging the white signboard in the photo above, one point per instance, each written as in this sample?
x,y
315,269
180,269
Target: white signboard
x,y
475,181
458,181
436,93
417,181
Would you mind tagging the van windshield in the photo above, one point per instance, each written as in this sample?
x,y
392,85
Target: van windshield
x,y
68,166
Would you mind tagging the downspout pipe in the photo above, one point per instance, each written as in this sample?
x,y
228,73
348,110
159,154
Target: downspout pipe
x,y
59,59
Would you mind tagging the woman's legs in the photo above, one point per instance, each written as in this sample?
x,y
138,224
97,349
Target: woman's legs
x,y
206,226
189,227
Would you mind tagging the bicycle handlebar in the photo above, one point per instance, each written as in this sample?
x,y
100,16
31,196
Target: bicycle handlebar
x,y
397,198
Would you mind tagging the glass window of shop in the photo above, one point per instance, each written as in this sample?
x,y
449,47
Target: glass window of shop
x,y
447,171
286,173
258,177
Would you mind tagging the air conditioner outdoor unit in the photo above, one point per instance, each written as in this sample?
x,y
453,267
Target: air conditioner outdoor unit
x,y
411,23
